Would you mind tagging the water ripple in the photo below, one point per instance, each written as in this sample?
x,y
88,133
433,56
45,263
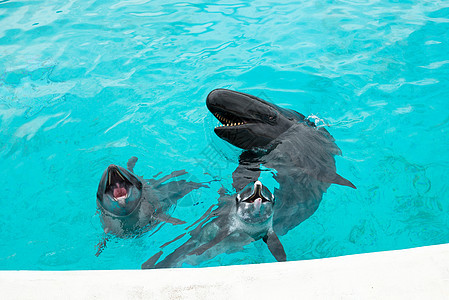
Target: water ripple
x,y
84,84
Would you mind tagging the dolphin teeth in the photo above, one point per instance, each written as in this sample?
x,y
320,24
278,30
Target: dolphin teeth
x,y
121,198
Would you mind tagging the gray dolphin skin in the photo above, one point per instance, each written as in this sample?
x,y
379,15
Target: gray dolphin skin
x,y
236,221
283,140
129,204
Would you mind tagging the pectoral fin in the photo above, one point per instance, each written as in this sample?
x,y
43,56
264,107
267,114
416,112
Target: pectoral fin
x,y
149,264
275,246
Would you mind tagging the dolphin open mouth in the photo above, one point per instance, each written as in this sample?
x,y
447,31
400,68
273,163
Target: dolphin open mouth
x,y
252,200
246,121
256,197
229,119
117,185
255,203
119,191
231,108
255,193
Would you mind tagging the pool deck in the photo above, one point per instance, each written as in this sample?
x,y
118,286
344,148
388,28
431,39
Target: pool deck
x,y
419,273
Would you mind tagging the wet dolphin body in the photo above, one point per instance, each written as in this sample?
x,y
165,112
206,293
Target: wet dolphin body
x,y
130,205
281,139
236,221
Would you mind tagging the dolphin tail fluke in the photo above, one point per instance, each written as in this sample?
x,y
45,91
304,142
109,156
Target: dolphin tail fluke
x,y
275,246
149,264
342,181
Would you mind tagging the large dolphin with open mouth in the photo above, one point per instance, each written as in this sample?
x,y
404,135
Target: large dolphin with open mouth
x,y
301,154
237,220
130,205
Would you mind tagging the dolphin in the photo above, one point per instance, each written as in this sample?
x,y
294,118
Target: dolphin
x,y
237,220
300,153
130,205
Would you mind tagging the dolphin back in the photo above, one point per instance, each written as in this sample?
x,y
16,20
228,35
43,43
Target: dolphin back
x,y
305,165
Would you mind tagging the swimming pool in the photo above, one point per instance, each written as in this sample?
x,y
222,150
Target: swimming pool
x,y
84,84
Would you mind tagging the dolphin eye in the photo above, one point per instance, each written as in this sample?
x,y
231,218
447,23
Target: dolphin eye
x,y
271,118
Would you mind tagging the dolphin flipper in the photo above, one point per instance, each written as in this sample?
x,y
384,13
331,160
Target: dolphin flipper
x,y
149,264
131,164
275,246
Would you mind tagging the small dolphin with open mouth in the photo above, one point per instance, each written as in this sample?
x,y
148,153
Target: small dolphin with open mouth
x,y
131,205
281,139
237,220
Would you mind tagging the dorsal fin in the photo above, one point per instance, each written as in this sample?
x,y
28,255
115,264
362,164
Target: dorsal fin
x,y
131,163
342,181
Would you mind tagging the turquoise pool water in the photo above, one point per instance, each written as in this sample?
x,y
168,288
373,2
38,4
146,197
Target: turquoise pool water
x,y
84,84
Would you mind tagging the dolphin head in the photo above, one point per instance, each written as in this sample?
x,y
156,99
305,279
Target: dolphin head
x,y
119,191
248,121
255,203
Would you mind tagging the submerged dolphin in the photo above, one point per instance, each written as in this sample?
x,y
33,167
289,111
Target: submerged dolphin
x,y
130,205
237,220
281,139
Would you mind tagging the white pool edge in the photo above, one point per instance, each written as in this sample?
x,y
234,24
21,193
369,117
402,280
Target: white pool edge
x,y
419,273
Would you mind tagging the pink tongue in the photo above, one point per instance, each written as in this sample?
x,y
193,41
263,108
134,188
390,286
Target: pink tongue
x,y
119,191
258,203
